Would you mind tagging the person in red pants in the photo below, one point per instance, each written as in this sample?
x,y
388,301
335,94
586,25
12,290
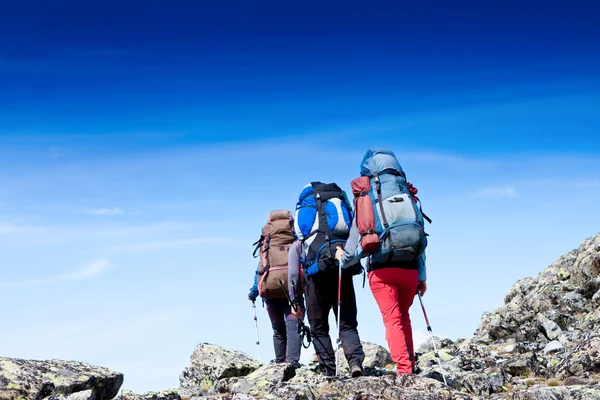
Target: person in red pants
x,y
394,283
394,290
394,287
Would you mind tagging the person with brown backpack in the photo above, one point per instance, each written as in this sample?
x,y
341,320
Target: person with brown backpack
x,y
270,283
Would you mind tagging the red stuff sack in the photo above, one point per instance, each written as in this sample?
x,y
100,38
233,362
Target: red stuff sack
x,y
365,215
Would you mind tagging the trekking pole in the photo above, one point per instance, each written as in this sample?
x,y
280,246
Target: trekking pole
x,y
339,305
435,352
256,326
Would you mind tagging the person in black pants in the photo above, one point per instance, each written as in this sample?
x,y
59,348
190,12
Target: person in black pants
x,y
321,292
287,342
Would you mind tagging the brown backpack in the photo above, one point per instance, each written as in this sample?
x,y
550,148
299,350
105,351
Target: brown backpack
x,y
276,238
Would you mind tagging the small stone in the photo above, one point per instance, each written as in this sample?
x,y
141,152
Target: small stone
x,y
548,327
553,346
577,381
509,349
563,275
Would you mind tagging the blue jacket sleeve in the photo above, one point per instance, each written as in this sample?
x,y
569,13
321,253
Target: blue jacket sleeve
x,y
254,289
422,268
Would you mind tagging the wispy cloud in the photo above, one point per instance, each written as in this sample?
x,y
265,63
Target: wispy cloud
x,y
92,270
105,211
195,241
496,191
9,229
584,184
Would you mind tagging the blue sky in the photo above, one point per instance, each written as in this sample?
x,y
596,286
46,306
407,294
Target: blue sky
x,y
142,146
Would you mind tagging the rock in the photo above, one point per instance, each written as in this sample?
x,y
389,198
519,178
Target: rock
x,y
517,367
31,379
582,358
563,274
376,356
553,346
263,379
549,328
209,363
509,348
577,381
163,395
85,395
440,343
539,392
406,387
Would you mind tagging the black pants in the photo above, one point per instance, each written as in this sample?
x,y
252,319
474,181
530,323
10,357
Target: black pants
x,y
286,339
321,296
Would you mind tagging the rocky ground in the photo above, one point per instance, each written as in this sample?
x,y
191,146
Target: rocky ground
x,y
543,343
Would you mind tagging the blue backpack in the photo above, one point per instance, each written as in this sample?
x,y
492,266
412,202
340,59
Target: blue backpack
x,y
322,221
399,219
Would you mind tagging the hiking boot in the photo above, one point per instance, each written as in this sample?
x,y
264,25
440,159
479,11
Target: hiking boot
x,y
356,371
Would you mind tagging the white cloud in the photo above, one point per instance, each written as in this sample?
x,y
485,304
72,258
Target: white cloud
x,y
91,270
497,191
105,211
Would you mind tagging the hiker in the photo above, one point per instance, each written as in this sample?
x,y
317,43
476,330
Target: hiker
x,y
322,220
388,230
270,282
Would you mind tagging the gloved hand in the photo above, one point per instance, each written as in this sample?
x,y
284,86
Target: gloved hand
x,y
252,295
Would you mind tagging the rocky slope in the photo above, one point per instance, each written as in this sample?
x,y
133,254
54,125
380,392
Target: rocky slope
x,y
543,343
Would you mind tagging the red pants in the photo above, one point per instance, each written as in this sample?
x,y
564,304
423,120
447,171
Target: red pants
x,y
394,290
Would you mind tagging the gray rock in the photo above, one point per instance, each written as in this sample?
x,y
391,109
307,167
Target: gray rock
x,y
577,381
263,379
582,358
162,395
376,356
549,328
209,363
558,393
553,346
31,379
85,395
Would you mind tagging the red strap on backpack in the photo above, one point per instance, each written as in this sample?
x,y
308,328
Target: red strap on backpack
x,y
413,191
365,215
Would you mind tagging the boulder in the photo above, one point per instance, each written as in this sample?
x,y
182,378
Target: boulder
x,y
209,363
541,392
407,387
85,395
162,395
261,380
583,358
376,357
32,379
